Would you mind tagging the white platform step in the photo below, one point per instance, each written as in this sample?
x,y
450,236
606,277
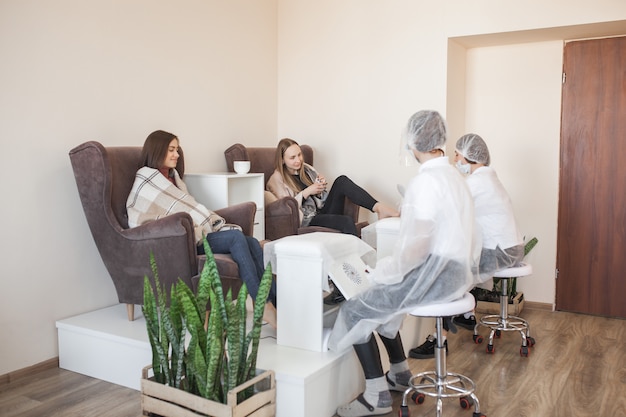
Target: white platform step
x,y
103,344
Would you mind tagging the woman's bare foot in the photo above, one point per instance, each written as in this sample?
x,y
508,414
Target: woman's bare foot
x,y
269,315
385,211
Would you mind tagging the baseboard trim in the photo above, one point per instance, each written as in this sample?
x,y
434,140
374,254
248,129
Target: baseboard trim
x,y
30,370
534,305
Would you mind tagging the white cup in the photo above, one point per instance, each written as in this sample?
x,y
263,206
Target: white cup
x,y
241,167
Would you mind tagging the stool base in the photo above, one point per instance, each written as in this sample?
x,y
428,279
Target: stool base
x,y
440,383
504,323
452,385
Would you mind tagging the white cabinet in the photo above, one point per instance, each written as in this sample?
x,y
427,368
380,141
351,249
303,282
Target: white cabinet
x,y
302,263
219,190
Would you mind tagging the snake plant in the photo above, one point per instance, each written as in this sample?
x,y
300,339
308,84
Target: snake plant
x,y
220,353
512,289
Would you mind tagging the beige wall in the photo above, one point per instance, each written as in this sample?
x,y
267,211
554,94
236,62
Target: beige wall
x,y
111,71
342,75
351,75
513,98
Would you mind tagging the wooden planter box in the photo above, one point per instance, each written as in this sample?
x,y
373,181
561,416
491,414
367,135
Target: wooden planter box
x,y
162,400
486,307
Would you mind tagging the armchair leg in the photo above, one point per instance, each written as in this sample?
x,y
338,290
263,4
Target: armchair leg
x,y
130,310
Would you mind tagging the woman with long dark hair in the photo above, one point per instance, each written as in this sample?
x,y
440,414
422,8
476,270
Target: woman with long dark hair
x,y
159,190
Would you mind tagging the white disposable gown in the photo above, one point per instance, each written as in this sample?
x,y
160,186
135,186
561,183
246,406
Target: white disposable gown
x,y
503,245
431,261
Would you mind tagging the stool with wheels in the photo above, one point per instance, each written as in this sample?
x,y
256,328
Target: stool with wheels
x,y
440,383
505,322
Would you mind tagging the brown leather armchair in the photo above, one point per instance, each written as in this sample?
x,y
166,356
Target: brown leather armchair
x,y
282,217
104,176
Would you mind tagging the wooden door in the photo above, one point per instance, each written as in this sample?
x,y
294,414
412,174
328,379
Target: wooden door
x,y
591,241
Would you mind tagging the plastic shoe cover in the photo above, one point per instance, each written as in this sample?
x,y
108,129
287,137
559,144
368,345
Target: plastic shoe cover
x,y
361,408
395,386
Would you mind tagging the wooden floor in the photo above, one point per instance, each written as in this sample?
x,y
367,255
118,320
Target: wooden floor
x,y
576,369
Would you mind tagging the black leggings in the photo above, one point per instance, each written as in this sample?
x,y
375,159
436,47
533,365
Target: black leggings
x,y
331,215
369,355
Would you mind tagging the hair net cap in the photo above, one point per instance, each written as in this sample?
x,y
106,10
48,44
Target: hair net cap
x,y
425,131
473,148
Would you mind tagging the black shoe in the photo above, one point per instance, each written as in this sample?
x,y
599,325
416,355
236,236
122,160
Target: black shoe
x,y
335,297
427,349
468,324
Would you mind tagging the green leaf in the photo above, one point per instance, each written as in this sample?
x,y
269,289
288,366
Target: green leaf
x,y
197,367
530,245
255,333
242,312
208,274
175,331
215,354
234,344
192,314
152,311
152,325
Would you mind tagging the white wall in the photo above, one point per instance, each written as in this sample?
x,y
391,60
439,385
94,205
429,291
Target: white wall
x,y
111,71
513,100
342,75
352,73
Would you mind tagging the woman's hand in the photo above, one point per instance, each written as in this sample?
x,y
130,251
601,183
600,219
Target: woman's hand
x,y
317,187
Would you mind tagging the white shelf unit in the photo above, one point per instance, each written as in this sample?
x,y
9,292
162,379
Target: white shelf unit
x,y
217,190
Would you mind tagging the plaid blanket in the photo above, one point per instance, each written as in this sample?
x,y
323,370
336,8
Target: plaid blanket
x,y
153,196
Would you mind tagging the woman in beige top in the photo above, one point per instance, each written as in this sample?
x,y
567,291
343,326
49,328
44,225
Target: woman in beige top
x,y
319,206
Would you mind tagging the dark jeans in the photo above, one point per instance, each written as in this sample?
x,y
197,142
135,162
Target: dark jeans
x,y
331,215
247,252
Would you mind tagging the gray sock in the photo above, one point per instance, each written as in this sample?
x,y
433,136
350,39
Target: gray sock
x,y
377,393
400,372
